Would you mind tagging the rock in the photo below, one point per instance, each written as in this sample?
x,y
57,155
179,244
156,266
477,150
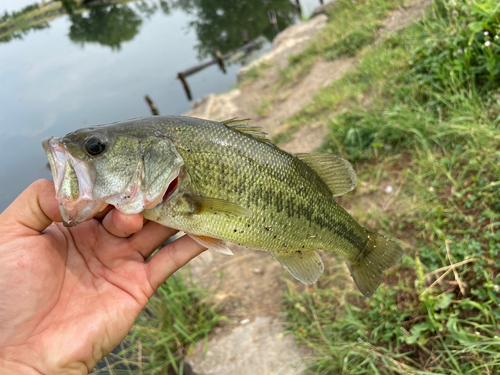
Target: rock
x,y
216,107
259,347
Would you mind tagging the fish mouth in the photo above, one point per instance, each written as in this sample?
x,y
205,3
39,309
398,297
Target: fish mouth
x,y
74,181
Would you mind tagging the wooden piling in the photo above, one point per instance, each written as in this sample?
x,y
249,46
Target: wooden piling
x,y
152,105
245,48
185,85
220,59
271,14
299,8
244,35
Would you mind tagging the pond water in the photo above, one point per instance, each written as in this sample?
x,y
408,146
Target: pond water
x,y
96,65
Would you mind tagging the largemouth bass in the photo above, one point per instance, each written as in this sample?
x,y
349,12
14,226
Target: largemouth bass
x,y
218,182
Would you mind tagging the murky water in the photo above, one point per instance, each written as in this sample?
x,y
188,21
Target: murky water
x,y
95,67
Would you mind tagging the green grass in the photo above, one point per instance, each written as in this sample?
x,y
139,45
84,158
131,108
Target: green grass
x,y
253,74
352,26
437,144
284,136
264,108
175,319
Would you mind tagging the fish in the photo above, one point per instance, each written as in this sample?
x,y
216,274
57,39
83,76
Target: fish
x,y
220,182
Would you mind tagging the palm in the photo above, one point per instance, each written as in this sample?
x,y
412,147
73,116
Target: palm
x,y
77,296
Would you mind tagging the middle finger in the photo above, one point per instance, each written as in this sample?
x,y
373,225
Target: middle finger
x,y
150,238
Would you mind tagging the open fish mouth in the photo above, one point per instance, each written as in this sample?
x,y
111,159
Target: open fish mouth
x,y
74,181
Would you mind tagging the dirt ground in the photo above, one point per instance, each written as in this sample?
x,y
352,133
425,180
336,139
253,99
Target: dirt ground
x,y
252,281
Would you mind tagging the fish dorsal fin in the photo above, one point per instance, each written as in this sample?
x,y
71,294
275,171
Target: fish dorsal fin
x,y
243,127
337,173
206,205
305,266
212,244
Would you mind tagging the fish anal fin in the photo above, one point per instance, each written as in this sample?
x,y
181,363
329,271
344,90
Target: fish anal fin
x,y
206,205
243,127
305,266
212,244
336,172
378,255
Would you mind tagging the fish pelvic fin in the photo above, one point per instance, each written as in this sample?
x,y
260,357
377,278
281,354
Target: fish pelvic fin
x,y
378,255
214,244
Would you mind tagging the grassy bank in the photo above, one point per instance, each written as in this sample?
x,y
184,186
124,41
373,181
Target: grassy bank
x,y
420,113
353,25
175,319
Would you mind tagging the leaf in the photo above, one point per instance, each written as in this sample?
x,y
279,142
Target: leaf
x,y
444,301
476,26
416,331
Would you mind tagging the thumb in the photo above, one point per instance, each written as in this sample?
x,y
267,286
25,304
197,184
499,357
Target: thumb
x,y
34,210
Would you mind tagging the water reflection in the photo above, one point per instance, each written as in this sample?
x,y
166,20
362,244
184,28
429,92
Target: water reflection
x,y
218,24
10,29
109,26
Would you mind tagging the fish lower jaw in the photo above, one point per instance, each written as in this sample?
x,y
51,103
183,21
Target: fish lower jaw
x,y
80,210
128,204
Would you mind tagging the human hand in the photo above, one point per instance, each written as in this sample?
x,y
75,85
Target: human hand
x,y
68,296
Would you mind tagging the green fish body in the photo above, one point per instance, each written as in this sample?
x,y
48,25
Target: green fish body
x,y
227,182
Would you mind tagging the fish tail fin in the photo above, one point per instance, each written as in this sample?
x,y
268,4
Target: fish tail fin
x,y
378,255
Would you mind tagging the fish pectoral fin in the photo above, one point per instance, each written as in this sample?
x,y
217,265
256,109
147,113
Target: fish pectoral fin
x,y
305,266
337,173
212,244
205,205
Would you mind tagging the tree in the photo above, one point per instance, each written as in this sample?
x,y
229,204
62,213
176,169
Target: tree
x,y
219,23
109,26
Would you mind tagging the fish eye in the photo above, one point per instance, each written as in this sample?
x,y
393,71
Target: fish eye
x,y
94,145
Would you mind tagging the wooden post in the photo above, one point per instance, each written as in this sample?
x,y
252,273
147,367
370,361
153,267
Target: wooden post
x,y
299,8
220,59
152,105
271,14
244,35
217,60
185,85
